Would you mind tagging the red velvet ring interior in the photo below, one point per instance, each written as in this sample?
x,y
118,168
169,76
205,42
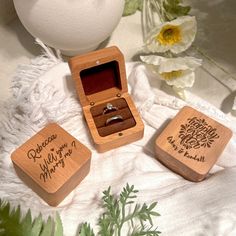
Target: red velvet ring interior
x,y
101,77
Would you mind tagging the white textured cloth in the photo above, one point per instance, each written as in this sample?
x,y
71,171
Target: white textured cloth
x,y
43,92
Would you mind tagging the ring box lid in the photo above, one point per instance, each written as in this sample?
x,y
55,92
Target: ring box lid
x,y
52,163
191,143
99,75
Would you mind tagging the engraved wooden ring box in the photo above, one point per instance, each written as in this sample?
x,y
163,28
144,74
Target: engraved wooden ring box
x,y
191,144
100,81
52,163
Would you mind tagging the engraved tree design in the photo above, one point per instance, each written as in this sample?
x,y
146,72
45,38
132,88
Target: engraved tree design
x,y
197,133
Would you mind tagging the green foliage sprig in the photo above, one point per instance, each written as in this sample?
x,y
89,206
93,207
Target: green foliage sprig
x,y
117,212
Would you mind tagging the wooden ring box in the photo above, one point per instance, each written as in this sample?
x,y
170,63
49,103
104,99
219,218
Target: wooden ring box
x,y
191,144
52,163
100,78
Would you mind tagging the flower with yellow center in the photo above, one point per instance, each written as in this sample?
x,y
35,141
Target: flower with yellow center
x,y
176,72
171,75
175,36
169,35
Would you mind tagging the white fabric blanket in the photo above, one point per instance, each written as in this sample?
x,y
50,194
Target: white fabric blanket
x,y
43,92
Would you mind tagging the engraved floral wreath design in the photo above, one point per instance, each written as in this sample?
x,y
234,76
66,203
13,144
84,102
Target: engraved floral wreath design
x,y
197,133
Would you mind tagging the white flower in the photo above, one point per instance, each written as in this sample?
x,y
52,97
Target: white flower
x,y
176,35
177,72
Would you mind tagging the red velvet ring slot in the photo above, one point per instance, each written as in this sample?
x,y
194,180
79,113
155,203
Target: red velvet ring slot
x,y
117,127
120,103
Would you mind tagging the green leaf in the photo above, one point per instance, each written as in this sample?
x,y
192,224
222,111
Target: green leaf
x,y
85,230
106,226
174,9
153,213
145,231
48,227
131,6
152,206
58,228
37,225
11,223
26,223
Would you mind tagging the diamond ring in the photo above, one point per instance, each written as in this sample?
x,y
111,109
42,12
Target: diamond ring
x,y
109,107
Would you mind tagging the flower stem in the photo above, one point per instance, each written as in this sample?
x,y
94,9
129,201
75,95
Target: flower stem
x,y
122,217
157,4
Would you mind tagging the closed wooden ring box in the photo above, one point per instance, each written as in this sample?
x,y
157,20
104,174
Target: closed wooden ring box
x,y
52,163
191,144
100,79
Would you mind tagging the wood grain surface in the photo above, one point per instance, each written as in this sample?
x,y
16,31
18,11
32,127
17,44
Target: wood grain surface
x,y
52,163
191,143
92,60
106,138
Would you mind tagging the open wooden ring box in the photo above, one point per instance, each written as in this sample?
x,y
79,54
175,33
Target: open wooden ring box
x,y
52,163
100,81
191,144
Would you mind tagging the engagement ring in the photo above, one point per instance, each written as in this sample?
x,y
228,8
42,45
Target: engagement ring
x,y
109,108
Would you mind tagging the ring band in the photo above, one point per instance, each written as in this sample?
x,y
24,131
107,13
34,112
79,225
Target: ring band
x,y
114,118
109,107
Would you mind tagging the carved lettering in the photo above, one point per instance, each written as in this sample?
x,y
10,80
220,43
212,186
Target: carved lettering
x,y
54,160
194,134
172,142
197,133
195,157
34,153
